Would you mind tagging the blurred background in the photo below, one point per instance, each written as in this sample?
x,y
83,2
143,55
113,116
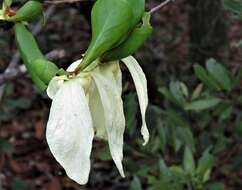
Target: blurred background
x,y
193,65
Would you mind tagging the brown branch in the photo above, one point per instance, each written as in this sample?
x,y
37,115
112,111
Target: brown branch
x,y
64,1
160,6
21,70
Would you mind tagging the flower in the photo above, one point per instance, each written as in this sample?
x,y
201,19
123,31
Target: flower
x,y
87,105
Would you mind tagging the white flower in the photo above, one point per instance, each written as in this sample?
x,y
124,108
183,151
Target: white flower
x,y
91,103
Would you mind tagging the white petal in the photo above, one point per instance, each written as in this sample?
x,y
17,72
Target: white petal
x,y
95,103
70,132
54,86
117,75
141,88
97,112
74,65
113,112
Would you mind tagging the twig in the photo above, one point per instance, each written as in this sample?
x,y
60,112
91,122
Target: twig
x,y
21,70
161,5
64,1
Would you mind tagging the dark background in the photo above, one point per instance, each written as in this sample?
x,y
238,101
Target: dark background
x,y
185,32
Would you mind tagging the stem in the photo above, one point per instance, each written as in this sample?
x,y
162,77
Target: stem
x,y
161,5
63,1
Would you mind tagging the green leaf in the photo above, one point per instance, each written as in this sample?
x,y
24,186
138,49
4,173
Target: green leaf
x,y
202,104
44,69
28,12
133,41
109,24
197,92
135,184
205,163
185,136
184,89
29,51
138,7
164,171
177,93
188,161
176,118
202,74
219,73
168,95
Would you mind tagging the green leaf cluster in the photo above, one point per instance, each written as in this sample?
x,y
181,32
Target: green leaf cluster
x,y
117,30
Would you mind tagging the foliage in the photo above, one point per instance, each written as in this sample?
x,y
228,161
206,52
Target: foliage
x,y
193,124
189,124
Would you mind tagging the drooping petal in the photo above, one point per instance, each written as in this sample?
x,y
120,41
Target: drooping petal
x,y
141,88
70,132
117,75
95,103
97,112
113,112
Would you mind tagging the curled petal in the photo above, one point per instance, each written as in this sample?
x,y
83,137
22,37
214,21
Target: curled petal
x,y
69,130
141,88
113,112
54,86
74,65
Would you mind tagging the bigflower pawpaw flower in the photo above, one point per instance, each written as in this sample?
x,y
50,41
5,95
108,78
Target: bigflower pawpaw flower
x,y
89,105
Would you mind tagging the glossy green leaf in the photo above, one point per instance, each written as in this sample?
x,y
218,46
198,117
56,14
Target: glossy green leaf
x,y
135,40
219,73
44,69
27,45
138,7
29,11
30,52
109,24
